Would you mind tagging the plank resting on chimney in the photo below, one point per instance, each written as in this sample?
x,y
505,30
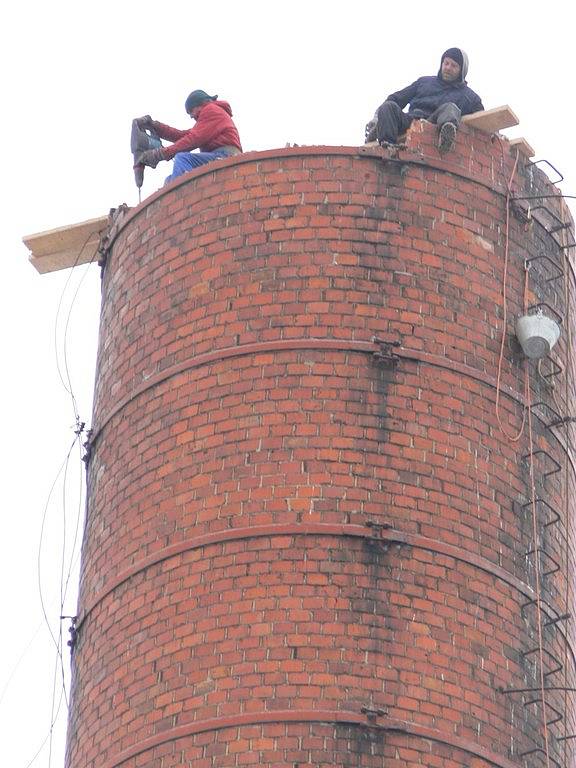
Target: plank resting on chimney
x,y
492,120
522,146
65,246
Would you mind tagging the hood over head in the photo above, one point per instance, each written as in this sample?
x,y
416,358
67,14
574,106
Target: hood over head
x,y
460,57
224,105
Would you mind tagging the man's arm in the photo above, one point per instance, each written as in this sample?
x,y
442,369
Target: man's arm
x,y
477,106
405,96
473,103
209,124
164,131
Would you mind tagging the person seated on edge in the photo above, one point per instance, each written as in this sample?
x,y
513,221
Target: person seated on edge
x,y
441,99
214,134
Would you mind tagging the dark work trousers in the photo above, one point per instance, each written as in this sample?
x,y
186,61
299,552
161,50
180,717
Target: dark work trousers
x,y
392,121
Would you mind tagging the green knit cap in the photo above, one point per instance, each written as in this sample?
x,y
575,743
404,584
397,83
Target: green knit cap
x,y
196,98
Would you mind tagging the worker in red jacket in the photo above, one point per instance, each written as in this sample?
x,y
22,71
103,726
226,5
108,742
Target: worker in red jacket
x,y
214,134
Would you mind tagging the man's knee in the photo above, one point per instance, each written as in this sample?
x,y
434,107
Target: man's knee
x,y
183,161
454,111
448,113
389,107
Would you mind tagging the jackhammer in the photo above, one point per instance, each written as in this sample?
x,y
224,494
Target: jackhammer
x,y
141,139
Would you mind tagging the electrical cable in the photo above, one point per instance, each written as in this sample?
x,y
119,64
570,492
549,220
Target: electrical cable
x,y
65,568
65,574
516,437
68,387
60,301
74,557
46,738
54,682
19,660
44,516
65,343
62,567
64,580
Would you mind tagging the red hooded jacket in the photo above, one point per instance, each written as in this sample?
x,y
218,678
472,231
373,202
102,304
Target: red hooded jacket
x,y
214,128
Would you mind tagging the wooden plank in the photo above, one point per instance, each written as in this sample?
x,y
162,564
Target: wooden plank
x,y
65,246
522,146
492,120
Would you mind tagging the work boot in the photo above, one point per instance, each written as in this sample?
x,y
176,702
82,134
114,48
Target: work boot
x,y
446,137
396,145
370,131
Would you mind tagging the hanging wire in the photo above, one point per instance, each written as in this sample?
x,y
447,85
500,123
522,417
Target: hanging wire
x,y
53,715
20,659
63,468
66,569
74,557
48,735
65,344
57,700
74,549
67,384
518,435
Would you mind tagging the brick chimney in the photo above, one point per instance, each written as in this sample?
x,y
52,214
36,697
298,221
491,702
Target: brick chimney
x,y
318,532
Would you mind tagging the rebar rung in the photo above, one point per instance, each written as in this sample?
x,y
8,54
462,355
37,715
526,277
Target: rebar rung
x,y
562,421
536,649
539,500
559,716
556,368
541,304
542,551
563,617
531,752
557,418
549,164
539,749
545,257
557,466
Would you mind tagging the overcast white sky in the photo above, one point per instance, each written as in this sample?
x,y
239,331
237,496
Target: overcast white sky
x,y
74,74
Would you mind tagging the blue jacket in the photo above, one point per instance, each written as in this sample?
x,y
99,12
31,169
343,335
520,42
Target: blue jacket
x,y
427,93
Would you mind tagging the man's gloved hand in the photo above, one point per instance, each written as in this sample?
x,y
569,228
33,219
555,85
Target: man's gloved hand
x,y
144,122
150,157
370,130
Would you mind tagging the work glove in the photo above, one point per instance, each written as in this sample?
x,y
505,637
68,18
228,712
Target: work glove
x,y
144,122
370,130
150,157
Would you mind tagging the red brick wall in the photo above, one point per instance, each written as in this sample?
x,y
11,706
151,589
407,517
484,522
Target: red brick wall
x,y
283,528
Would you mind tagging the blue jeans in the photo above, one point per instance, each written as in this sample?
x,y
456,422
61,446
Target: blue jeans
x,y
187,161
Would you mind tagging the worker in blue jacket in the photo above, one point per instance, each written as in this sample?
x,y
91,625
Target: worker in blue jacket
x,y
441,99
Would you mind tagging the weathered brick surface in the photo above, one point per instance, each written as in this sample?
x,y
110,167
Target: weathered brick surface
x,y
237,390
